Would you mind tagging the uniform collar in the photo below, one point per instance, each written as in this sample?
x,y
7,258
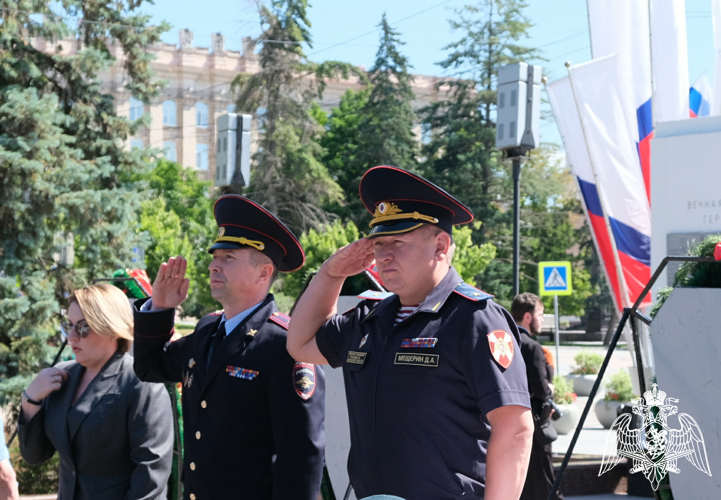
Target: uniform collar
x,y
433,303
231,323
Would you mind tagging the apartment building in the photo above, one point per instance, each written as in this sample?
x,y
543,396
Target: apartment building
x,y
183,116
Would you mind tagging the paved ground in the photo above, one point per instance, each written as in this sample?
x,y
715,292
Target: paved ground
x,y
592,439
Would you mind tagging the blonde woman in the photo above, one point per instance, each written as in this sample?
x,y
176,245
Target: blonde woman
x,y
114,433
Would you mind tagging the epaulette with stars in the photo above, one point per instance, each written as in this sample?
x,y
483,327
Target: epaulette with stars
x,y
280,318
374,295
471,292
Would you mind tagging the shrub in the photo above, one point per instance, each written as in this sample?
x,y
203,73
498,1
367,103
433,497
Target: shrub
x,y
619,388
563,391
587,363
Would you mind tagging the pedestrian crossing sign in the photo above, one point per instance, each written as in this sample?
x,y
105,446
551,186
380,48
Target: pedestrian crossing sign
x,y
554,278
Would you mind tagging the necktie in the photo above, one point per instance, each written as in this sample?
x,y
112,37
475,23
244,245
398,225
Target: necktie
x,y
216,340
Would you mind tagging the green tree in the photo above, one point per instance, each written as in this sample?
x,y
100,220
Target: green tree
x,y
63,165
179,220
288,177
319,244
553,228
384,124
470,260
342,144
461,154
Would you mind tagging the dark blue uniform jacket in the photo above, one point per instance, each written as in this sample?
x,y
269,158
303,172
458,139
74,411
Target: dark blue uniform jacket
x,y
418,393
253,420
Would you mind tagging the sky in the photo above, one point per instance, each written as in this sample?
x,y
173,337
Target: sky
x,y
346,30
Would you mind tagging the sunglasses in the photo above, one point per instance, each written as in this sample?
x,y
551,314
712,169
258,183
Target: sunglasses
x,y
82,329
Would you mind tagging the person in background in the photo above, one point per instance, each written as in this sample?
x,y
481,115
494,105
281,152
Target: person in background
x,y
114,433
437,395
8,481
527,310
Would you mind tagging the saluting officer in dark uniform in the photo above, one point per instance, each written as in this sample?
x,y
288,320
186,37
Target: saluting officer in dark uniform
x,y
437,394
253,417
527,311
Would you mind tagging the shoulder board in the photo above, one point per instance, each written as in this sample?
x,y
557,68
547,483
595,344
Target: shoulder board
x,y
280,318
373,295
471,292
217,313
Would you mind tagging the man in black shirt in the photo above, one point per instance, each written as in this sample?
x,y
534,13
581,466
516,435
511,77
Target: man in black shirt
x,y
527,311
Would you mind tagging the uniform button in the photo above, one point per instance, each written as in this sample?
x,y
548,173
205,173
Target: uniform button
x,y
192,496
197,435
203,404
192,465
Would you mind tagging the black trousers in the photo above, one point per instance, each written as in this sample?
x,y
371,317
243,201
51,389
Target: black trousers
x,y
540,477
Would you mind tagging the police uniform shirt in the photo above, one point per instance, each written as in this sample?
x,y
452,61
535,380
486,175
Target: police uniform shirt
x,y
418,392
253,418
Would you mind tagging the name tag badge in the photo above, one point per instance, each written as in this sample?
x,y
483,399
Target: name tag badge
x,y
417,359
356,358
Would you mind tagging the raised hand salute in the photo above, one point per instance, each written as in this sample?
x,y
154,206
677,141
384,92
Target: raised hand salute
x,y
170,287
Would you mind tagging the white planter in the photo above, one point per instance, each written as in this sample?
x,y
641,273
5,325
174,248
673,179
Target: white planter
x,y
607,411
568,422
582,384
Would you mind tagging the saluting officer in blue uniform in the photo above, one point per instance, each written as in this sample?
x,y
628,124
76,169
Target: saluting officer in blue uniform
x,y
436,387
253,417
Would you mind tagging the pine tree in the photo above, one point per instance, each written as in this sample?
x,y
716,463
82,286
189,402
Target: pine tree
x,y
64,168
288,177
461,154
383,132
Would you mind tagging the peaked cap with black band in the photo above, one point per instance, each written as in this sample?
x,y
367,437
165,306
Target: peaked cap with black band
x,y
242,223
401,201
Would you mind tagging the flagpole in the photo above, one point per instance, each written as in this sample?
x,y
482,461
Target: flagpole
x,y
602,200
650,58
588,218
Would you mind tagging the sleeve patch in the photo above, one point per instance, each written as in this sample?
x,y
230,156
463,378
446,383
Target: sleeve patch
x,y
304,380
501,344
471,292
281,319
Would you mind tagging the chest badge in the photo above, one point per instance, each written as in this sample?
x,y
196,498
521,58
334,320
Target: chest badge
x,y
363,341
191,363
501,345
304,380
187,380
422,343
356,358
251,332
236,371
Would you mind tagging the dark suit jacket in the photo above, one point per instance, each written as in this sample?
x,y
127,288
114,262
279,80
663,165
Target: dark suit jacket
x,y
116,443
253,418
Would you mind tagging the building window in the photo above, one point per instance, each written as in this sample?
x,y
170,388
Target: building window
x,y
170,114
136,108
169,151
201,114
201,156
136,143
231,108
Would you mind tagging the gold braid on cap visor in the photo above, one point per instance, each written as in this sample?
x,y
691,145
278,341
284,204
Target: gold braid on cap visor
x,y
258,245
379,217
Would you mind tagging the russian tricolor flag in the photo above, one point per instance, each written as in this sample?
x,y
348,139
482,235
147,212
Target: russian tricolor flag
x,y
699,97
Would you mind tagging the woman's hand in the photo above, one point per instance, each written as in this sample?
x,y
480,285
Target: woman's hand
x,y
47,381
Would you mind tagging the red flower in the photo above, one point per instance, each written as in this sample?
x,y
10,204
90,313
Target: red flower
x,y
614,396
